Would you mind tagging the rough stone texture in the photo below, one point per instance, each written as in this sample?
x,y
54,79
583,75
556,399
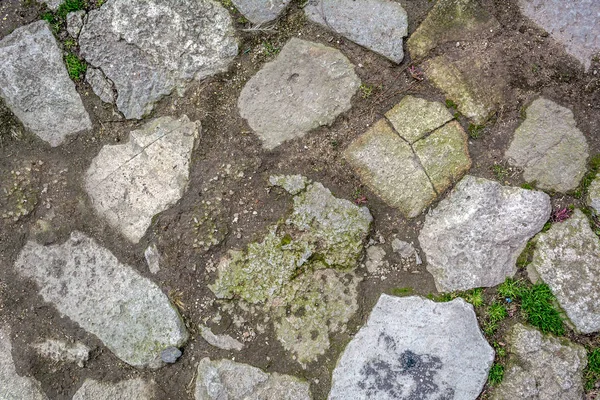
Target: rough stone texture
x,y
375,258
542,368
149,48
450,21
261,11
36,86
308,85
414,348
567,258
549,147
152,257
405,249
12,385
573,23
474,236
129,183
415,117
302,271
224,379
132,389
61,351
101,86
378,25
53,4
170,355
593,197
293,184
224,342
86,282
75,22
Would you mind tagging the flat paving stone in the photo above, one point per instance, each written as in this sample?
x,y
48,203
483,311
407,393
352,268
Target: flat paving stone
x,y
307,86
60,351
567,259
414,348
378,25
129,183
415,117
35,84
541,367
132,389
150,48
473,237
86,282
261,11
549,147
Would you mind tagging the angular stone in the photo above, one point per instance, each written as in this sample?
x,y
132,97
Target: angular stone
x,y
567,259
414,348
307,86
75,22
549,147
593,196
444,155
36,86
53,4
415,117
575,24
542,367
261,11
224,342
152,257
129,183
293,184
474,236
86,282
61,351
405,249
224,379
149,48
12,385
132,389
101,86
378,25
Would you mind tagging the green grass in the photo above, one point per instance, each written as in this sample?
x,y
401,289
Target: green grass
x,y
270,49
70,6
405,291
593,168
500,171
497,312
473,296
528,186
475,130
75,66
592,373
526,255
511,289
451,104
496,374
366,90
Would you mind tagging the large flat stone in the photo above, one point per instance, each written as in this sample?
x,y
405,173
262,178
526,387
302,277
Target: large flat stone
x,y
549,147
86,282
542,367
474,236
307,86
261,11
132,389
36,86
567,258
413,348
378,25
149,48
129,183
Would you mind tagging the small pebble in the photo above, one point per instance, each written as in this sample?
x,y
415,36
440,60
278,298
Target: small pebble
x,y
170,355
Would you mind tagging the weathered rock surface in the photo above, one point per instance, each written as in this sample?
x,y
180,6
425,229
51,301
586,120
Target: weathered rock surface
x,y
101,86
61,351
302,271
149,48
224,379
224,342
572,23
378,25
542,367
593,196
129,183
152,257
405,249
75,22
86,283
415,117
474,236
12,385
261,11
53,4
36,86
567,259
414,348
308,85
132,389
549,147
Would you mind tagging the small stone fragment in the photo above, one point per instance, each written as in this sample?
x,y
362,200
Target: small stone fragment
x,y
415,117
542,367
375,259
593,197
101,86
378,25
132,389
170,355
224,342
293,184
307,86
405,249
152,257
261,11
61,351
549,147
53,4
75,22
414,348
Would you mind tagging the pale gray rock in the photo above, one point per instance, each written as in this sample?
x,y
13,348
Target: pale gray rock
x,y
474,236
129,183
224,379
549,147
414,348
36,86
378,25
86,282
405,249
293,184
567,259
261,11
152,257
75,22
307,86
149,48
101,86
375,259
170,355
53,4
542,367
593,196
61,351
224,342
132,389
12,385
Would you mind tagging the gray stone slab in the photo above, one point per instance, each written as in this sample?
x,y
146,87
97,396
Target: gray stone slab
x,y
75,23
307,86
132,389
261,11
474,236
36,86
149,48
415,117
61,351
86,282
378,25
414,348
593,196
101,85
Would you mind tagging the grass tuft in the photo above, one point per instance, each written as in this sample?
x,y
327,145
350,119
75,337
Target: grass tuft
x,y
592,373
75,67
400,292
496,374
475,131
70,6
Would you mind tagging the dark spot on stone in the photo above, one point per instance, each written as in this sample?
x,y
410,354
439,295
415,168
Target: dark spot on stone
x,y
300,312
314,334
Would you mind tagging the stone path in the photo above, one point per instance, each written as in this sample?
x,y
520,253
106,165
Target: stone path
x,y
134,389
